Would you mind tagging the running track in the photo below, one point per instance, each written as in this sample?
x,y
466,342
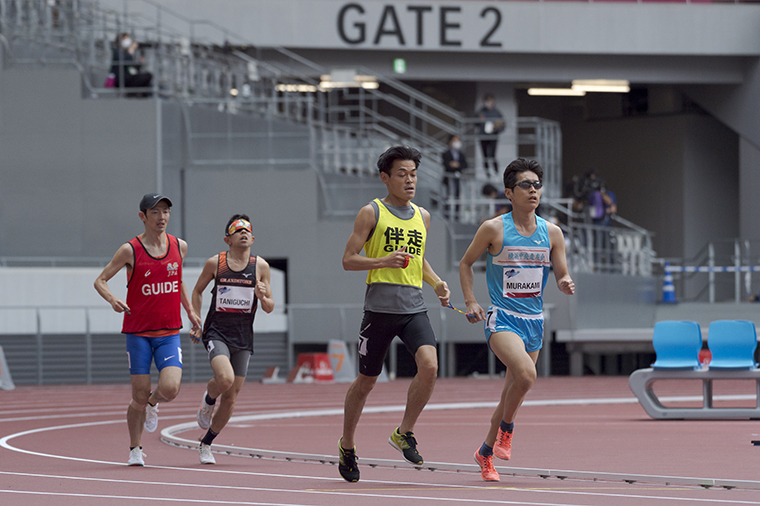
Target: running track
x,y
67,445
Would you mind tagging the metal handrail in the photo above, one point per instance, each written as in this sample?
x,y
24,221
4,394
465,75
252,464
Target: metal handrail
x,y
443,337
709,261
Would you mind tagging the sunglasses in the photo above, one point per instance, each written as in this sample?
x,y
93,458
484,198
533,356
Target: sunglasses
x,y
525,185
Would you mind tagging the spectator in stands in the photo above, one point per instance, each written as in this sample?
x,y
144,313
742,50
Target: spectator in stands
x,y
501,204
598,204
454,163
593,198
571,191
125,66
610,205
490,126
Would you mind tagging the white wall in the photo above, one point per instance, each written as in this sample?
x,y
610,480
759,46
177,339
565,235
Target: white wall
x,y
67,300
73,170
501,27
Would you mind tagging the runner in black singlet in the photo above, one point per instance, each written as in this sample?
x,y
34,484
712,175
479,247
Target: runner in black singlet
x,y
241,282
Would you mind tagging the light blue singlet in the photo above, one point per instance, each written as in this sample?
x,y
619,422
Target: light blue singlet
x,y
517,275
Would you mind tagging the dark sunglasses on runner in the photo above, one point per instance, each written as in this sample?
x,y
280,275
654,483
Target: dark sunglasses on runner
x,y
525,185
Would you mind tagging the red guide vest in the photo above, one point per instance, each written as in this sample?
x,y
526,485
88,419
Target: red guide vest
x,y
153,290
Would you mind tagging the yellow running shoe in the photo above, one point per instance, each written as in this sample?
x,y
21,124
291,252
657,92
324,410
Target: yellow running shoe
x,y
347,466
407,445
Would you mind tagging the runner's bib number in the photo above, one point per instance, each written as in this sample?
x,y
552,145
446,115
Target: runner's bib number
x,y
234,299
522,282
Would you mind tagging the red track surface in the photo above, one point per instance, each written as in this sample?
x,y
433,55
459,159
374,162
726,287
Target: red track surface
x,y
73,447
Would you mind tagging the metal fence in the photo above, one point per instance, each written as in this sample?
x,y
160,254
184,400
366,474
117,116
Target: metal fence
x,y
719,271
81,344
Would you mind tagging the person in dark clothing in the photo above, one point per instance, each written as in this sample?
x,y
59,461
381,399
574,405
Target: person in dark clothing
x,y
125,66
454,163
492,124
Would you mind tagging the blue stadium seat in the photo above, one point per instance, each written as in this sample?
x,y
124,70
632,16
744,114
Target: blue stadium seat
x,y
677,344
732,344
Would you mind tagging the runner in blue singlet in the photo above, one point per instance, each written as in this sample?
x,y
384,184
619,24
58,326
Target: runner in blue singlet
x,y
521,248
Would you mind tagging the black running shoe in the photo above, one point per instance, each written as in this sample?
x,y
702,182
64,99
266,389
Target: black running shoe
x,y
347,465
407,445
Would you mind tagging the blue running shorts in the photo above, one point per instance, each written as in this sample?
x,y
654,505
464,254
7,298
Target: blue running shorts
x,y
530,328
165,351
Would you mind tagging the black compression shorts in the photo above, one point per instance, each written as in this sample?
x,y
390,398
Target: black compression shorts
x,y
379,329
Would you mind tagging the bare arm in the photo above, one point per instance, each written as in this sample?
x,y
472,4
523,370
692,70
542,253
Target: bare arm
x,y
484,238
559,262
207,274
353,260
122,257
440,287
263,288
429,276
185,298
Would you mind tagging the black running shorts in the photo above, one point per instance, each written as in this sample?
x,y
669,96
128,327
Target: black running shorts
x,y
379,329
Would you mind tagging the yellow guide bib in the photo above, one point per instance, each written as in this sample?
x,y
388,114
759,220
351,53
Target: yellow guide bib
x,y
391,234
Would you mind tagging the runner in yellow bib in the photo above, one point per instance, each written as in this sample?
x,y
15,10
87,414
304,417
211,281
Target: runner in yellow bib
x,y
392,232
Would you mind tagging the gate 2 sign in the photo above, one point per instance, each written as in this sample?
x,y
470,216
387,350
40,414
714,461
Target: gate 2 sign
x,y
434,25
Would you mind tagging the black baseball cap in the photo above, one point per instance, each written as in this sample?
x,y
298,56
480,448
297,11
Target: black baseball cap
x,y
150,200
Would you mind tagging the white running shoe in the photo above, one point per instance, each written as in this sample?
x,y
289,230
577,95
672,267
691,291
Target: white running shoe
x,y
205,413
205,453
151,417
136,457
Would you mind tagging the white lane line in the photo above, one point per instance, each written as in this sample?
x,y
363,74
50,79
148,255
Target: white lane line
x,y
4,443
169,436
170,431
152,499
388,409
530,472
183,416
379,494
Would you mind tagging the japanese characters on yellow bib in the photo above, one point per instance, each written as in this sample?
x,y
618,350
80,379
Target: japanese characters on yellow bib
x,y
391,234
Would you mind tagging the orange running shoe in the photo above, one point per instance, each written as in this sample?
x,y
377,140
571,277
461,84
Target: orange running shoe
x,y
503,446
487,471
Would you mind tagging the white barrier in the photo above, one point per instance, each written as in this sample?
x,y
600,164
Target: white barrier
x,y
707,268
6,382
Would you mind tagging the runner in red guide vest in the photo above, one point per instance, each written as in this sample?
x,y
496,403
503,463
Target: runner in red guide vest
x,y
241,282
152,318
